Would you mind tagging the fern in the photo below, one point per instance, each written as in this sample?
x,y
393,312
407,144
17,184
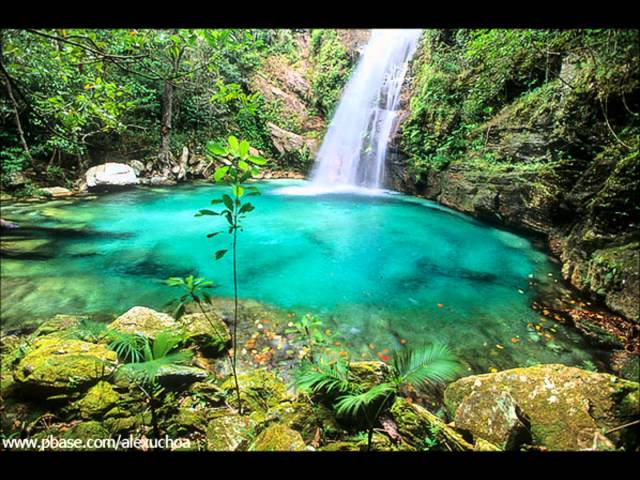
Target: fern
x,y
433,364
352,404
146,372
88,330
128,346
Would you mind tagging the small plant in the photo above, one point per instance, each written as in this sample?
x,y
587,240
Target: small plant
x,y
419,368
146,367
308,330
89,330
239,167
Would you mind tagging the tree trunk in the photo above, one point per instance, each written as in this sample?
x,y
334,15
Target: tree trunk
x,y
165,128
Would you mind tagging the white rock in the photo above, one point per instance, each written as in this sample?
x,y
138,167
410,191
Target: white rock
x,y
111,174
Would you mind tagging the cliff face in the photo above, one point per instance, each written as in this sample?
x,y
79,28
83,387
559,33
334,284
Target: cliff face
x,y
300,90
546,159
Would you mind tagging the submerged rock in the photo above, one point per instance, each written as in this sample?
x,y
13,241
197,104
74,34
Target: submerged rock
x,y
143,321
568,408
110,175
57,366
279,438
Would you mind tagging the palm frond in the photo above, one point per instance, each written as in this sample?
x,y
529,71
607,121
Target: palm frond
x,y
322,377
147,372
128,346
432,364
353,404
164,342
89,330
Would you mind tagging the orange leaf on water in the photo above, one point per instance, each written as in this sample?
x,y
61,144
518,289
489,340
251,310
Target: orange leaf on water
x,y
440,305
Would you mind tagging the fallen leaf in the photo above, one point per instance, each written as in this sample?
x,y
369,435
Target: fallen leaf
x,y
440,305
515,340
499,347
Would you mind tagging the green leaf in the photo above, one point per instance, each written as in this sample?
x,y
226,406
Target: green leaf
x,y
216,149
220,173
205,212
228,202
246,208
233,143
211,235
219,254
238,190
243,148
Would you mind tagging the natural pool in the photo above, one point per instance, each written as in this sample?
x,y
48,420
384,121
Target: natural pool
x,y
378,270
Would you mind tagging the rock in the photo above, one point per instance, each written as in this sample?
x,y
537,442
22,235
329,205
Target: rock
x,y
57,366
368,374
143,321
58,326
287,142
157,180
7,225
306,419
501,423
179,376
85,431
98,400
568,408
138,167
227,433
279,438
415,424
56,192
209,332
110,175
260,390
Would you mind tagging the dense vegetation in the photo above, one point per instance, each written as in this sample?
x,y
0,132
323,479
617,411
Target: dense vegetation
x,y
74,97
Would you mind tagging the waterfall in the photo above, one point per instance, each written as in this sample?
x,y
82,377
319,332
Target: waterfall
x,y
352,155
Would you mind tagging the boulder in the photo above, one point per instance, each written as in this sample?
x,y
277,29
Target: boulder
x,y
143,321
56,192
260,390
179,376
209,332
110,175
227,433
567,408
98,400
138,167
503,424
279,438
57,366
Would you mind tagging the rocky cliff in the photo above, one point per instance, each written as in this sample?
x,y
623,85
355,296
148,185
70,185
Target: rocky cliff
x,y
544,158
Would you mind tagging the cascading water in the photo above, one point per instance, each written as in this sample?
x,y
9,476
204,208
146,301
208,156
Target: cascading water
x,y
352,155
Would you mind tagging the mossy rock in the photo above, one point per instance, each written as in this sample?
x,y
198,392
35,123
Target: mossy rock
x,y
305,418
209,333
260,390
58,325
228,432
568,408
57,366
99,399
279,438
416,425
143,321
87,430
179,376
368,374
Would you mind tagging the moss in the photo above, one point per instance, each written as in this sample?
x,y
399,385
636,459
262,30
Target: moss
x,y
565,406
227,432
55,365
279,438
98,399
58,325
260,390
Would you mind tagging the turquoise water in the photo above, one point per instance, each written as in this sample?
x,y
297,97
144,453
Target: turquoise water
x,y
379,270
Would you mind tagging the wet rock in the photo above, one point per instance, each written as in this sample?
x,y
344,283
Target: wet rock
x,y
56,192
110,175
57,366
143,321
415,424
568,408
279,438
500,423
208,332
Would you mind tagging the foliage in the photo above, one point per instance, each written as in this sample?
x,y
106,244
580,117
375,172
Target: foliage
x,y
308,330
194,291
419,368
332,68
